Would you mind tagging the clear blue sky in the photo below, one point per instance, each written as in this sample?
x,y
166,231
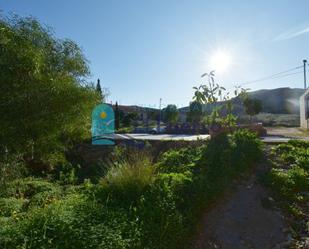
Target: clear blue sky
x,y
146,50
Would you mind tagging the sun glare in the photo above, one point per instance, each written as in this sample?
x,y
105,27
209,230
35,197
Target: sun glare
x,y
220,61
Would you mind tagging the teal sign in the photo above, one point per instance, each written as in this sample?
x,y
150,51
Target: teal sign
x,y
103,125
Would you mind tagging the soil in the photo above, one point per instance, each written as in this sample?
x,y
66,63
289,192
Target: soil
x,y
244,218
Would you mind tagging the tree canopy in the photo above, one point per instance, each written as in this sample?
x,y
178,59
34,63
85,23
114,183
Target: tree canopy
x,y
252,106
171,114
195,112
45,101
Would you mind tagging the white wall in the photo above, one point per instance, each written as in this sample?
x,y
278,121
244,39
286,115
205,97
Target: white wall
x,y
304,123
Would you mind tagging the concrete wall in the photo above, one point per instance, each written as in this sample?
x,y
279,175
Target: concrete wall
x,y
304,108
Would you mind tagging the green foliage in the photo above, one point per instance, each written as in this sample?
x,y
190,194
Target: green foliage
x,y
294,153
252,106
170,114
289,181
248,147
127,180
29,187
179,161
45,103
10,206
213,93
195,113
136,205
11,168
75,222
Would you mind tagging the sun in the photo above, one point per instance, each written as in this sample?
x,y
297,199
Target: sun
x,y
103,115
220,61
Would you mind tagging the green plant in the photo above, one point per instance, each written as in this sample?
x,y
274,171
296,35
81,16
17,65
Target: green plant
x,y
44,102
126,180
252,106
11,206
136,204
213,94
170,114
289,181
179,161
195,112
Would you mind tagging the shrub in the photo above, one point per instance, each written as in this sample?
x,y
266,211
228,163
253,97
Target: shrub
x,y
136,205
11,167
287,183
11,205
247,148
293,153
162,221
75,222
127,180
28,187
179,161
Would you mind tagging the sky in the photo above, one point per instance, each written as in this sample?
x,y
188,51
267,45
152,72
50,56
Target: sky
x,y
150,49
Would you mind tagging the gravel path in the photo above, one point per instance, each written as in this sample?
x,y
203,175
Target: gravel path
x,y
241,221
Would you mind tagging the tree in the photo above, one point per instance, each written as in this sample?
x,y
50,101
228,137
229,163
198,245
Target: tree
x,y
117,116
195,112
129,118
99,89
45,101
216,95
170,114
252,106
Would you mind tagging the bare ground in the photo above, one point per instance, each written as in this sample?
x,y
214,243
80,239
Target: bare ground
x,y
242,220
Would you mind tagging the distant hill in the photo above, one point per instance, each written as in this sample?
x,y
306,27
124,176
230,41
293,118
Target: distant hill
x,y
278,101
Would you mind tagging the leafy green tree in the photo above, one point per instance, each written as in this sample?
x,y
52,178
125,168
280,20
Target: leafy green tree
x,y
45,102
211,93
195,112
252,106
171,114
129,118
99,89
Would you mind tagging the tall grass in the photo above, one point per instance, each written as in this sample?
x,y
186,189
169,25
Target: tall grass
x,y
128,178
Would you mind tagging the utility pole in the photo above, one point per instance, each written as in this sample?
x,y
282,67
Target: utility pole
x,y
305,76
159,120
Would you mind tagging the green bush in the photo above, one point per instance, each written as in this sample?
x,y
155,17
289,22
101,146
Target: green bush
x,y
289,181
75,222
28,187
136,205
288,184
125,181
179,161
11,205
294,153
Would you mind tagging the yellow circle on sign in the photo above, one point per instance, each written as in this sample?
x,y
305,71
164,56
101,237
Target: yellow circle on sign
x,y
103,115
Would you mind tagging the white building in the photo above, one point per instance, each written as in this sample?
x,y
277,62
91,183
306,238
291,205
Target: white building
x,y
304,110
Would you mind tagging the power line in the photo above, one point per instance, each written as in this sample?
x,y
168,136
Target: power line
x,y
274,76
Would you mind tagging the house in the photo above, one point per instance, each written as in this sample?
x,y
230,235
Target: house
x,y
304,110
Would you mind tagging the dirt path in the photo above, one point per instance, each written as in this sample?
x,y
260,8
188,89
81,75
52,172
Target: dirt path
x,y
241,221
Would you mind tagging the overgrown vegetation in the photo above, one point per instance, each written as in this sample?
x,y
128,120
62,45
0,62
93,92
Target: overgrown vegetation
x,y
137,204
45,101
289,181
50,199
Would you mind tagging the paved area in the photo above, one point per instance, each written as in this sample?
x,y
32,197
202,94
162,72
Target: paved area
x,y
284,134
274,135
161,137
292,132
